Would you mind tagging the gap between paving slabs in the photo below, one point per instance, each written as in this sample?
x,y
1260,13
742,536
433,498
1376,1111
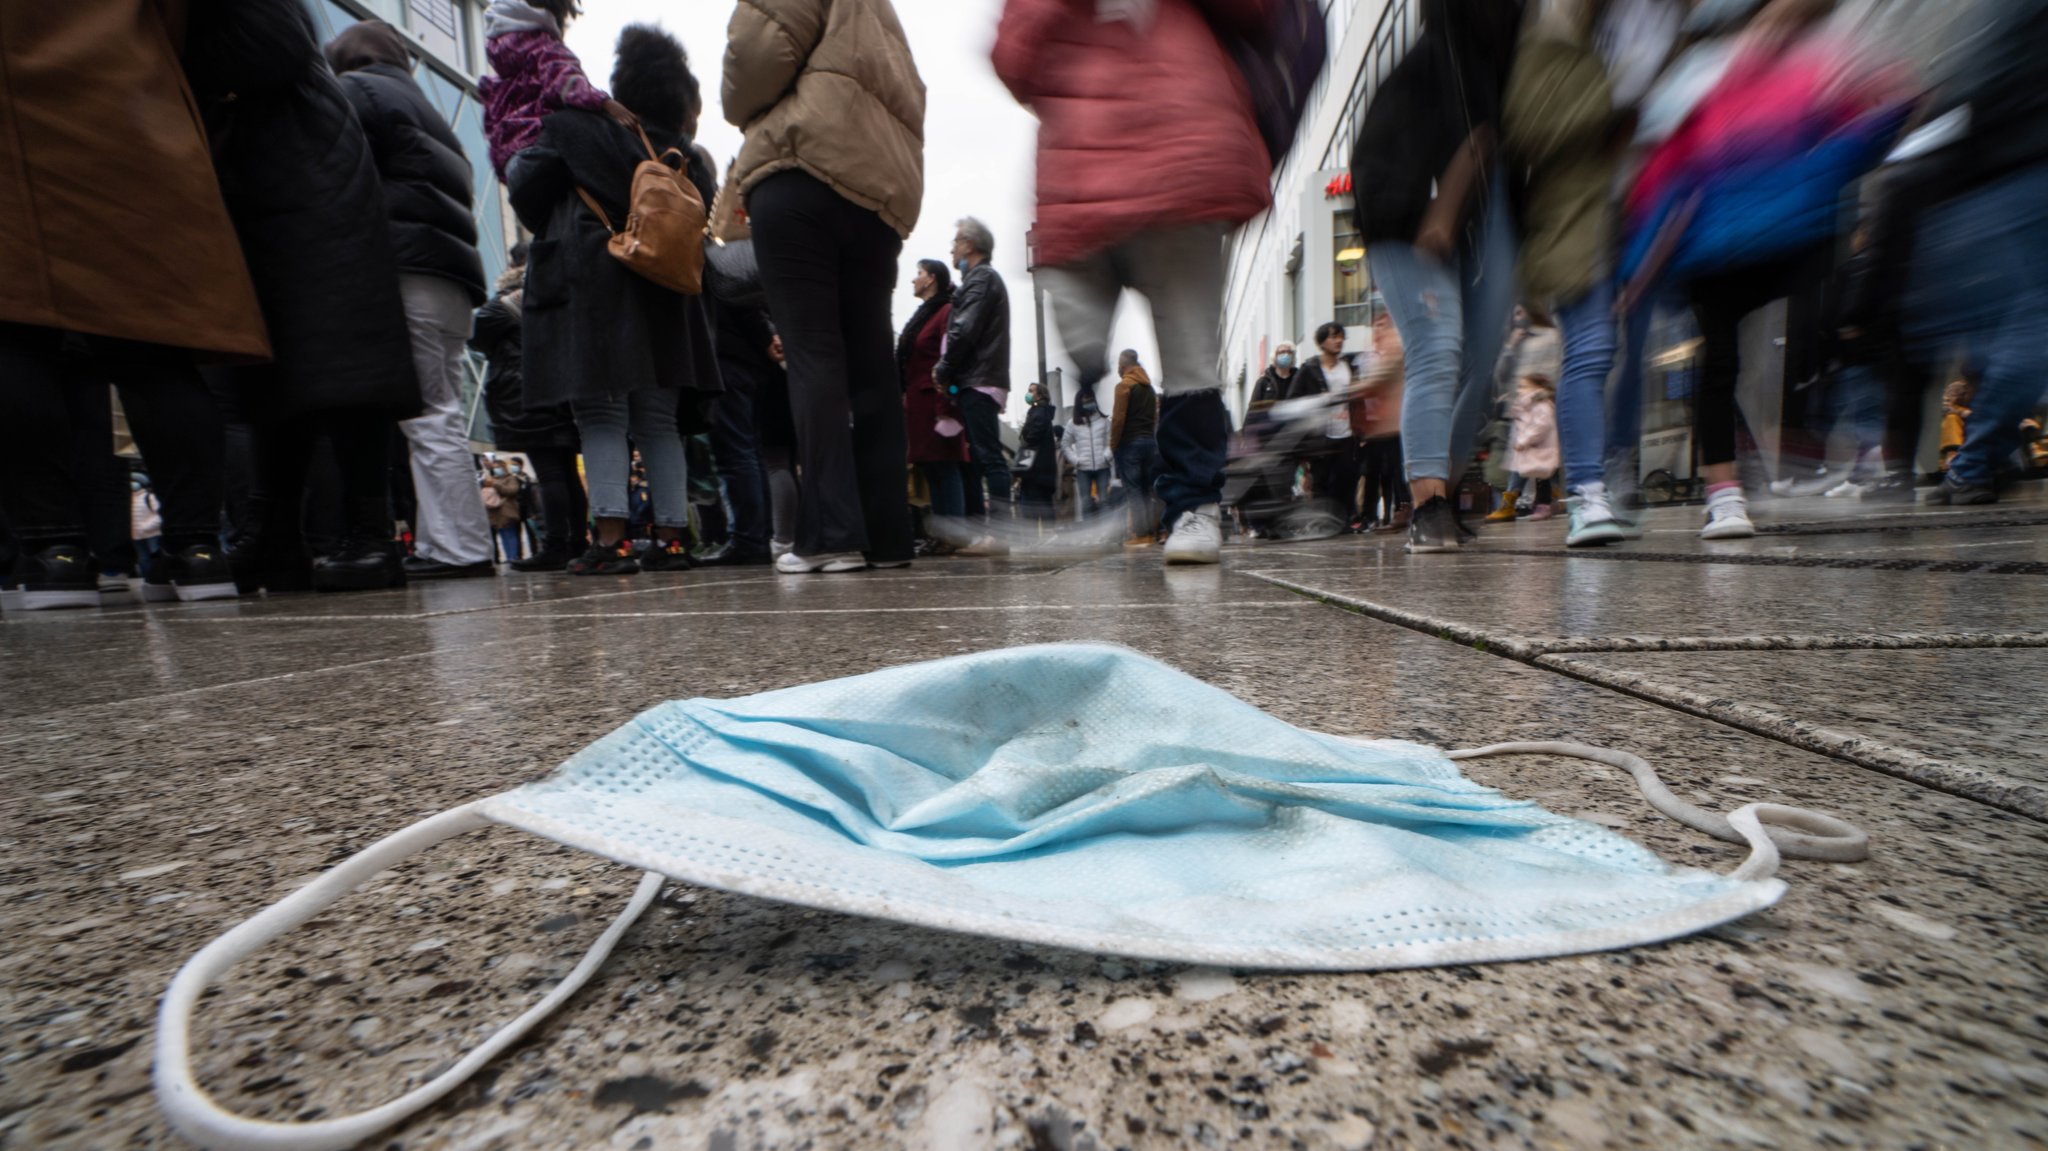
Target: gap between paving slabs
x,y
1985,787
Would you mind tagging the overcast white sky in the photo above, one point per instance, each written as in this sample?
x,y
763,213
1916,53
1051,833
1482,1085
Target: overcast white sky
x,y
978,144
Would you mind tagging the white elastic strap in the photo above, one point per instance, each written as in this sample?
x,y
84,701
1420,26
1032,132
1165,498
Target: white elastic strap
x,y
1771,830
197,1117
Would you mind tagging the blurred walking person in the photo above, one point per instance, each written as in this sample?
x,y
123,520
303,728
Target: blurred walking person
x,y
833,175
440,278
932,421
1433,208
1149,84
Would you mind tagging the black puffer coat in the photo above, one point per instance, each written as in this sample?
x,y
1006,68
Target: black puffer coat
x,y
426,176
307,203
515,427
593,328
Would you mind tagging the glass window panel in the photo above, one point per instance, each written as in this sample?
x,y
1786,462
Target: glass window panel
x,y
329,18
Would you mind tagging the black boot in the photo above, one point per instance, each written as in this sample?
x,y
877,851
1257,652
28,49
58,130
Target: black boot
x,y
361,565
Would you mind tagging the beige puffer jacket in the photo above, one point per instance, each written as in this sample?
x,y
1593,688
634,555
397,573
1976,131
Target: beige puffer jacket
x,y
828,86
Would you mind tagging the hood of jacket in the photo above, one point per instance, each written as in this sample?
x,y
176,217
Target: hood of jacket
x,y
505,16
828,87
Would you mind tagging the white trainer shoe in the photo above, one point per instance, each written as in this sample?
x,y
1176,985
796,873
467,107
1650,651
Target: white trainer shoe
x,y
1727,516
790,563
1197,537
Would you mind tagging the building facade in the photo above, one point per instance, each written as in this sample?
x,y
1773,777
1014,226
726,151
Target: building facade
x,y
1303,262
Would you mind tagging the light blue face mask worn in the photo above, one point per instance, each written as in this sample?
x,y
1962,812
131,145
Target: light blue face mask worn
x,y
1077,795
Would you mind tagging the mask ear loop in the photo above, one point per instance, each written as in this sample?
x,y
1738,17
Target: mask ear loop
x,y
196,1116
1772,830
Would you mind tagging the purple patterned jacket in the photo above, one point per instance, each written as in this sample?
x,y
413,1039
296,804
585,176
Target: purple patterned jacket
x,y
536,75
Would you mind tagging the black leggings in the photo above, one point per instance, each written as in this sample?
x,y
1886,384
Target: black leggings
x,y
176,423
1380,462
829,267
564,506
1719,303
1334,475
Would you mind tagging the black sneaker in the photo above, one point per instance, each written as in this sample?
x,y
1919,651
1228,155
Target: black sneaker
x,y
1962,493
58,576
360,565
606,559
199,572
667,556
1890,488
731,554
542,561
420,567
1433,528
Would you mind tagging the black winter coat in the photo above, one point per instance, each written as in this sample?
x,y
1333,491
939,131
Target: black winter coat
x,y
514,426
303,191
978,335
594,329
426,177
1039,437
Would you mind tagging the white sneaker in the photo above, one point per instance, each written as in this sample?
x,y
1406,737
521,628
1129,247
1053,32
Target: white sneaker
x,y
1727,516
1197,537
1846,490
983,547
790,563
778,549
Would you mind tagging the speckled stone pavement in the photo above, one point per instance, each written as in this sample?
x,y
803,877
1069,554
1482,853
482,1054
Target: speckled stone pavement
x,y
169,771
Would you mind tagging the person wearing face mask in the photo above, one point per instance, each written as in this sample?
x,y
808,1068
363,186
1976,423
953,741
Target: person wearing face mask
x,y
1273,384
974,368
1086,447
1038,457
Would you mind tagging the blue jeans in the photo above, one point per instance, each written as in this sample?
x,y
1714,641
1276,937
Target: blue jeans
x,y
1137,464
1980,280
949,491
1587,325
509,540
648,417
1452,318
1094,486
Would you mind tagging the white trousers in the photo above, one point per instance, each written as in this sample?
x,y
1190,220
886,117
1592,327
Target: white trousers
x,y
452,525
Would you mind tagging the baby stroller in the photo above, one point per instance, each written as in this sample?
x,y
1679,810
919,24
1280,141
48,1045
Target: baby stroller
x,y
1258,479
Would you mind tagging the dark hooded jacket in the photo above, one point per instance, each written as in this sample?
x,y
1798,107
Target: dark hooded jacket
x,y
426,177
593,328
304,194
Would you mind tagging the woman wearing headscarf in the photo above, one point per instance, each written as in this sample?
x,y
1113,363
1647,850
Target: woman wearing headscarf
x,y
1432,205
833,175
633,359
931,418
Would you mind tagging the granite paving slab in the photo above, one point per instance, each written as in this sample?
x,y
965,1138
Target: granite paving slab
x,y
1889,1003
51,664
1529,604
1945,718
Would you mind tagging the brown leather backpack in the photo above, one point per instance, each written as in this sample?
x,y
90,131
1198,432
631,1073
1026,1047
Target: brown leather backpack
x,y
663,239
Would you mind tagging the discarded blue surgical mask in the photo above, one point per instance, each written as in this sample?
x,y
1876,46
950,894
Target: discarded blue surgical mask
x,y
1079,795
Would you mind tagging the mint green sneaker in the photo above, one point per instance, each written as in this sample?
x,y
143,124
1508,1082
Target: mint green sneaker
x,y
1593,521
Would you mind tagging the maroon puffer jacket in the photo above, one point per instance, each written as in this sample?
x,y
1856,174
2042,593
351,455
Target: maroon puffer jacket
x,y
1135,131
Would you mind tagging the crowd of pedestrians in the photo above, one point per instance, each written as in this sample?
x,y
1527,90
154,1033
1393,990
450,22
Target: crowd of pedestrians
x,y
285,306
